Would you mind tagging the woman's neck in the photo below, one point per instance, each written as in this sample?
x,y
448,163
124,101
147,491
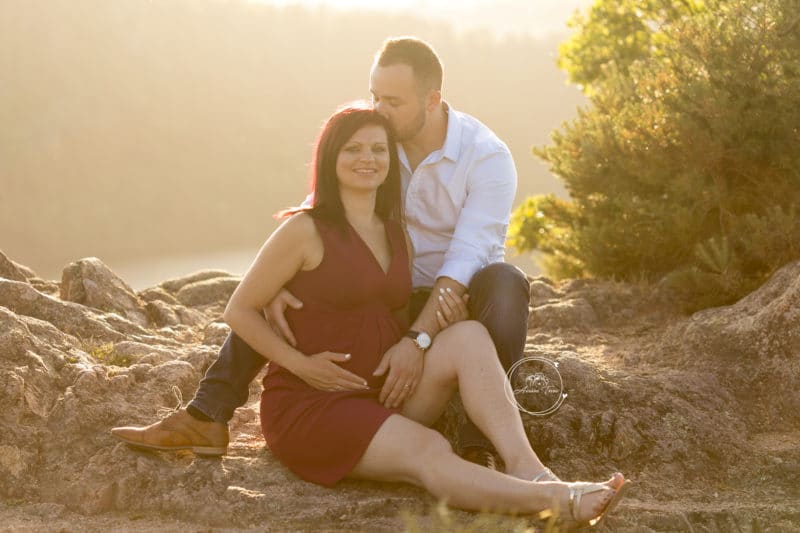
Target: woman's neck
x,y
359,209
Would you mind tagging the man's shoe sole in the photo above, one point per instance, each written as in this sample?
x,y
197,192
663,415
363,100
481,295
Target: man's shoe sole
x,y
199,450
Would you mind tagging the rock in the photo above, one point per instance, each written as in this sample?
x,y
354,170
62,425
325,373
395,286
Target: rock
x,y
90,282
209,291
50,288
670,401
174,285
574,313
161,314
158,294
216,333
542,292
755,342
10,270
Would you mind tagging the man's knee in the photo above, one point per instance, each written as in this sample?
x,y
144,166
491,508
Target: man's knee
x,y
498,292
502,277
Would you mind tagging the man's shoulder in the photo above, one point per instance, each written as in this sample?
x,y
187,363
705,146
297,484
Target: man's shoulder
x,y
476,134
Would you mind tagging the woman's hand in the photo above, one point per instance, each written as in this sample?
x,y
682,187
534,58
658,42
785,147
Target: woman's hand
x,y
451,308
321,372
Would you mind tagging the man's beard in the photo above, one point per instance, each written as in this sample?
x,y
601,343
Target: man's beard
x,y
414,128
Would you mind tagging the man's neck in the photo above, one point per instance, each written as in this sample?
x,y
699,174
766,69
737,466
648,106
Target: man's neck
x,y
430,138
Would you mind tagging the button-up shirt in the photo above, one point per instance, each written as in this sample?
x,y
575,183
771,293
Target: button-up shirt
x,y
458,202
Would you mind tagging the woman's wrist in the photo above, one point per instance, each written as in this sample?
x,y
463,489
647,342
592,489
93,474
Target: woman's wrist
x,y
295,362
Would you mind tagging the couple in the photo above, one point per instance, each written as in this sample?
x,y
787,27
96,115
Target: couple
x,y
366,364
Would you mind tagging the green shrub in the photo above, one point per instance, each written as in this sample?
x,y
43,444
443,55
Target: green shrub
x,y
686,166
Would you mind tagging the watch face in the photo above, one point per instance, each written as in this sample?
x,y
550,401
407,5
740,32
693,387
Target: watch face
x,y
424,340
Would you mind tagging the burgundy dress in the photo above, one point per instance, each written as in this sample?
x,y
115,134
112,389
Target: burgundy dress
x,y
347,308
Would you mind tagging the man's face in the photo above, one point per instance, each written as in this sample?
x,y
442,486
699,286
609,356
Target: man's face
x,y
395,95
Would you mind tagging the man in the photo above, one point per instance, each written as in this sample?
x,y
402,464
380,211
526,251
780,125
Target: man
x,y
458,182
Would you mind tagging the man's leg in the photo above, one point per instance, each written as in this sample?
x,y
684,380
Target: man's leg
x,y
226,384
203,426
498,298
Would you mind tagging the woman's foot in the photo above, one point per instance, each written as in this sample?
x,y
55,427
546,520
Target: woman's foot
x,y
587,503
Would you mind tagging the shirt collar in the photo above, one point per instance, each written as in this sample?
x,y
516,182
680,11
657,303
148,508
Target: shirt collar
x,y
452,142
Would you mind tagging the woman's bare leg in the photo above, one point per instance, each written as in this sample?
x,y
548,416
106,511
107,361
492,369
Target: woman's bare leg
x,y
404,450
463,358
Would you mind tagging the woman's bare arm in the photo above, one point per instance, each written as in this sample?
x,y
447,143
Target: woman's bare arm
x,y
295,245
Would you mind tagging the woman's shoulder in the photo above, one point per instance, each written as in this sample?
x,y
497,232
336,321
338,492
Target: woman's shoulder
x,y
299,224
298,230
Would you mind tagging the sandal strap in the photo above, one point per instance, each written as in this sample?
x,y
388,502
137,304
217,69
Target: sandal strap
x,y
576,492
546,473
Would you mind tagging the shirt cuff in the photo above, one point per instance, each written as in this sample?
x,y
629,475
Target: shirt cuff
x,y
460,270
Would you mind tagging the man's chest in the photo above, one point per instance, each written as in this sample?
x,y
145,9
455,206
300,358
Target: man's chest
x,y
433,199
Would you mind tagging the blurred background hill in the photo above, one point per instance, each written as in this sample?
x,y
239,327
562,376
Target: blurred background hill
x,y
162,136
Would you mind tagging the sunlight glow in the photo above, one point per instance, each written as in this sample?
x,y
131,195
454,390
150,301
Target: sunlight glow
x,y
534,17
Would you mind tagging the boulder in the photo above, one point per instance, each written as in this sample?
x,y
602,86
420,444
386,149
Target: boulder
x,y
755,344
174,285
90,282
10,270
542,292
208,291
575,313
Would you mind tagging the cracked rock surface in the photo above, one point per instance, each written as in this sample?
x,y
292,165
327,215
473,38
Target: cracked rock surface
x,y
702,412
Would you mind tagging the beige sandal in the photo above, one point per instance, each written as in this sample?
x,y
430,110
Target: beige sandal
x,y
545,475
578,490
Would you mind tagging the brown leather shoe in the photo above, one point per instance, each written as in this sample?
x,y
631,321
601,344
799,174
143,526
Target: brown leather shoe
x,y
178,431
480,456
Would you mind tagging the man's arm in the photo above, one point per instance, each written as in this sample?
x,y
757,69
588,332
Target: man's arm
x,y
480,231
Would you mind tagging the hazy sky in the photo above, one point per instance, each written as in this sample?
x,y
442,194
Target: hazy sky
x,y
536,17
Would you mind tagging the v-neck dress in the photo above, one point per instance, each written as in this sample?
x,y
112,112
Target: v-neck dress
x,y
348,303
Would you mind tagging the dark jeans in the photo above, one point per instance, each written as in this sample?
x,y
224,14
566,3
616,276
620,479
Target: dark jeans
x,y
499,296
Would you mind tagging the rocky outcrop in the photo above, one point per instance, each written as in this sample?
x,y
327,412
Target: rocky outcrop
x,y
93,284
13,271
755,346
672,401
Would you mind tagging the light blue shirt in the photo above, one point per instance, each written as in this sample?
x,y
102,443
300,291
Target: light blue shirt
x,y
458,202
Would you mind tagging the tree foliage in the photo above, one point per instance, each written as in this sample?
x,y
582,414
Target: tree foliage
x,y
686,166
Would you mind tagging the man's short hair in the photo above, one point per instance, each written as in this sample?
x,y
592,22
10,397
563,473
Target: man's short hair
x,y
415,53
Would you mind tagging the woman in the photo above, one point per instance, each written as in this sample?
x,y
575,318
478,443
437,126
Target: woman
x,y
347,258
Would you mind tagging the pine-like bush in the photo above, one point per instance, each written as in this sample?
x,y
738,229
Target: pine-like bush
x,y
686,165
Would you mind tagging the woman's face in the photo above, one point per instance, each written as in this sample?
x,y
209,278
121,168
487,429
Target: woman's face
x,y
363,161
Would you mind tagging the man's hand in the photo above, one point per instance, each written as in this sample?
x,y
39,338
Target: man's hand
x,y
404,362
275,314
322,372
451,307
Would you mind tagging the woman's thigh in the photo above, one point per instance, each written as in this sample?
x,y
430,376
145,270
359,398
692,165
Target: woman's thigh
x,y
397,451
455,345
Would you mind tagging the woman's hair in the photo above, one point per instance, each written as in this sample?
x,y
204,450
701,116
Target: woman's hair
x,y
326,203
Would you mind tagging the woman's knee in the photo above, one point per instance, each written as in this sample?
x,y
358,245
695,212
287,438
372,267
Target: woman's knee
x,y
432,447
466,333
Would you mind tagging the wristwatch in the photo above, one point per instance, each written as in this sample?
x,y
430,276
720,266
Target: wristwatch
x,y
421,339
